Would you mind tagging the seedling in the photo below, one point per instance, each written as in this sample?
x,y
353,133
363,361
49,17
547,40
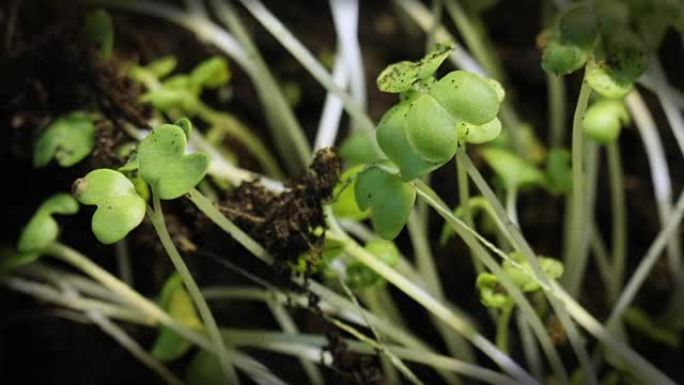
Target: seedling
x,y
119,207
604,119
514,172
42,229
164,165
68,140
175,299
344,205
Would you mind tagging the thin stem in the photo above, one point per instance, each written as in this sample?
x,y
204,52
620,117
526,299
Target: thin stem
x,y
502,328
529,346
619,215
511,203
575,260
123,261
557,110
157,219
464,203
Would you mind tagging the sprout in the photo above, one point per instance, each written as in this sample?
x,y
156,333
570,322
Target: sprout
x,y
42,229
430,130
511,169
177,302
164,165
389,199
468,97
401,77
604,119
558,170
345,205
119,208
68,140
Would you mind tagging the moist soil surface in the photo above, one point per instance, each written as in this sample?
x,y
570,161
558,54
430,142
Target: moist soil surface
x,y
47,68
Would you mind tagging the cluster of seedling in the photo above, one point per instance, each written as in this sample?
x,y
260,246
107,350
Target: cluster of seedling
x,y
434,121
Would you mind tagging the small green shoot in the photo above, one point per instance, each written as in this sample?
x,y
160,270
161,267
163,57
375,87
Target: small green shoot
x,y
345,205
175,299
119,207
604,120
512,170
164,165
68,140
401,77
99,28
42,229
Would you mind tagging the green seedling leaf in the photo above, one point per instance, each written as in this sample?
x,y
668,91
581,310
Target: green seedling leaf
x,y
468,97
345,205
401,76
618,63
389,199
475,205
513,171
164,166
204,369
11,259
163,66
492,294
68,140
166,99
360,148
430,130
521,276
211,73
119,208
391,135
42,229
604,119
176,301
562,59
99,28
559,171
478,134
577,26
359,276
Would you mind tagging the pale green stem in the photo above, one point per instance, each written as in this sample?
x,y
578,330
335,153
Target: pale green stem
x,y
619,215
123,261
575,260
598,248
370,298
529,346
502,324
157,218
464,202
557,110
511,204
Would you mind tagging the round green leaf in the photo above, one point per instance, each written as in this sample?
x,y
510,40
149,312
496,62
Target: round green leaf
x,y
478,134
430,130
119,208
389,199
360,148
42,229
558,170
164,166
345,205
562,59
513,171
467,96
392,139
68,140
604,119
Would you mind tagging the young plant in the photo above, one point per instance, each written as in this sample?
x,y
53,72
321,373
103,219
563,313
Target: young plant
x,y
68,140
119,207
42,229
604,120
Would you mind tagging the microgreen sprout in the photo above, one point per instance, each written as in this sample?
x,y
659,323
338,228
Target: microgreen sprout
x,y
604,119
119,207
42,229
68,140
165,166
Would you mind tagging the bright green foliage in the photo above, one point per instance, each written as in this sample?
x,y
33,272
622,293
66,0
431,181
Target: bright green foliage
x,y
563,59
164,165
558,171
388,197
511,169
162,67
211,73
359,276
430,130
99,28
478,134
400,77
468,97
119,208
359,148
393,142
604,119
204,369
345,205
494,295
42,229
177,302
68,140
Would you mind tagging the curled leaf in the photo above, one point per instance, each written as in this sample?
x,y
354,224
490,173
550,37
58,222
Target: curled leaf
x,y
68,140
211,73
345,205
42,229
401,76
468,96
430,130
389,199
604,119
492,294
119,207
478,134
164,165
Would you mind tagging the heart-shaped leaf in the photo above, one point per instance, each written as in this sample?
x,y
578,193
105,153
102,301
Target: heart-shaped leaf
x,y
513,171
478,134
164,165
604,119
391,137
389,199
177,302
119,208
430,130
42,229
467,96
68,140
401,76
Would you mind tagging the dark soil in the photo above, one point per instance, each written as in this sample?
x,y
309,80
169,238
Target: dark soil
x,y
47,68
